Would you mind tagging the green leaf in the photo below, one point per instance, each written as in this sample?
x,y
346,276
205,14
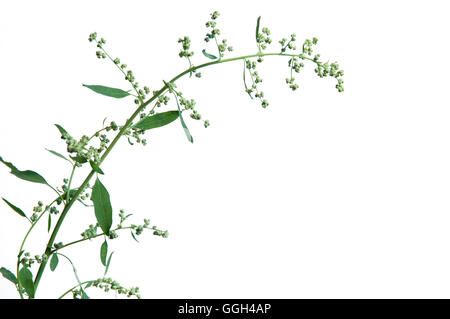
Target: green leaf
x,y
102,206
95,167
49,225
54,262
79,159
29,176
257,27
107,264
61,130
15,208
209,56
186,130
59,155
108,91
8,275
134,237
26,281
156,120
104,252
75,273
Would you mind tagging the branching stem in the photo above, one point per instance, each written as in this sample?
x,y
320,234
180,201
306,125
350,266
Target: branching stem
x,y
124,128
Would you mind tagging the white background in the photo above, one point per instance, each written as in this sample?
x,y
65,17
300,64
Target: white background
x,y
321,195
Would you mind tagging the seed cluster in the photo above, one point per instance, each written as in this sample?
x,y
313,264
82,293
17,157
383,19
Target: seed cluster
x,y
91,232
128,73
263,39
213,32
323,69
187,105
28,261
250,68
108,284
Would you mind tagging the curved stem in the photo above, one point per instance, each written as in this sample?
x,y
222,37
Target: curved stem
x,y
75,287
121,132
54,189
93,135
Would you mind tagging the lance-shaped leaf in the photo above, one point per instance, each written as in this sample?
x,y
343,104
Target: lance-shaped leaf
x,y
61,130
54,262
257,27
76,275
27,175
134,237
186,130
59,155
156,120
102,206
209,56
108,91
15,208
170,86
8,275
79,159
107,264
104,252
26,281
95,167
49,223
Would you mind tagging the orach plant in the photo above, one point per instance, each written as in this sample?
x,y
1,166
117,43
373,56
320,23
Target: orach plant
x,y
93,149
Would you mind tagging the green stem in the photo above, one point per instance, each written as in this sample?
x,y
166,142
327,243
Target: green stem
x,y
48,250
70,182
121,70
23,243
93,135
84,239
75,287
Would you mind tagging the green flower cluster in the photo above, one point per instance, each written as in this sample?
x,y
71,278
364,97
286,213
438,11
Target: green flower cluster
x,y
108,284
83,153
187,105
139,229
212,25
36,210
285,44
323,69
326,69
222,45
28,261
250,67
263,39
134,133
129,75
186,45
162,99
54,210
295,65
91,232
